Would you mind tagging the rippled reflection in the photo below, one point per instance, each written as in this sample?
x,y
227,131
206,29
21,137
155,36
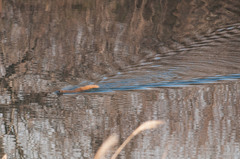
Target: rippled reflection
x,y
200,121
176,61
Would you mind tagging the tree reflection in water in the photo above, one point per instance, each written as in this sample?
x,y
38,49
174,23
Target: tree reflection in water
x,y
48,45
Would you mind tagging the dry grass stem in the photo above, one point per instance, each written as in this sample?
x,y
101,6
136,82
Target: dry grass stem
x,y
145,126
4,157
108,144
165,153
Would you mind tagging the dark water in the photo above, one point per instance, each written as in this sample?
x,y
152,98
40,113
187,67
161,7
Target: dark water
x,y
176,61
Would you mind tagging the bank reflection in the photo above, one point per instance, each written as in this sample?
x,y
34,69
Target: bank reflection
x,y
130,48
200,121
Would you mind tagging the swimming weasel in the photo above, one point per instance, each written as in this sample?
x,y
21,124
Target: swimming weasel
x,y
80,89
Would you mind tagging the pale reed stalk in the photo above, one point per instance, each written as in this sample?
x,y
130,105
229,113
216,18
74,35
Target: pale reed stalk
x,y
145,126
4,157
108,144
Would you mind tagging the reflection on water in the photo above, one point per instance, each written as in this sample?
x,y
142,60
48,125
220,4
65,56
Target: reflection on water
x,y
177,61
200,121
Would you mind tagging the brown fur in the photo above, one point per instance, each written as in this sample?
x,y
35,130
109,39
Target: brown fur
x,y
80,89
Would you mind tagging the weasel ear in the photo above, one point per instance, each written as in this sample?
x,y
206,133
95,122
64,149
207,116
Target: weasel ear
x,y
58,93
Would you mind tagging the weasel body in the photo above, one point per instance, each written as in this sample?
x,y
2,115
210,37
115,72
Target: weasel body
x,y
80,89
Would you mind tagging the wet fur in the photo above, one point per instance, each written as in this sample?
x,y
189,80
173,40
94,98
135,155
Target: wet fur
x,y
80,89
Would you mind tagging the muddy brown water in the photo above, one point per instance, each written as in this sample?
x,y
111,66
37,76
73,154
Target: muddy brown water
x,y
176,61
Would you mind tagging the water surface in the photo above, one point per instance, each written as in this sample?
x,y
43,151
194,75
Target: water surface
x,y
176,61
